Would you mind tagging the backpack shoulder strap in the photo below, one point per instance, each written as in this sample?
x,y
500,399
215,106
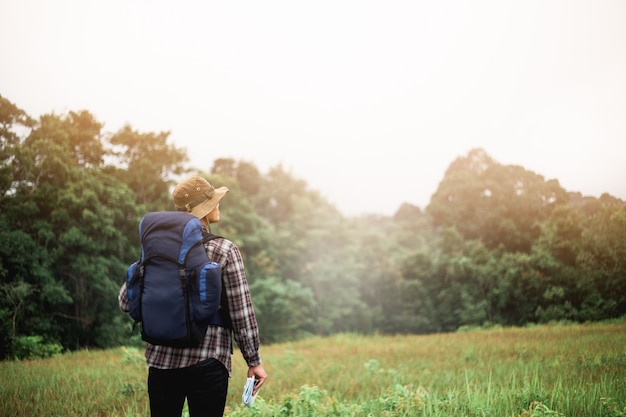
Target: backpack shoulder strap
x,y
206,236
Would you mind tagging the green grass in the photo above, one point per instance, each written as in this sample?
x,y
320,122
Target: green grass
x,y
558,370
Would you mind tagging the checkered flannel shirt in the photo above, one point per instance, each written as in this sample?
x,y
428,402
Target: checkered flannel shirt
x,y
218,341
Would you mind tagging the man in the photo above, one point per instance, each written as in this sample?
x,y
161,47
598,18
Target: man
x,y
200,374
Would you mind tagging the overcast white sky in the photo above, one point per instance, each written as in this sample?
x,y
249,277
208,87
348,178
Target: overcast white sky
x,y
367,101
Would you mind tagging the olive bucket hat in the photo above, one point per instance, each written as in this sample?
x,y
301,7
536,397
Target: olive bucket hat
x,y
197,196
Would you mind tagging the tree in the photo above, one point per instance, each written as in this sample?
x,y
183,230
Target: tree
x,y
12,121
283,309
246,174
417,295
497,243
603,259
148,162
64,232
501,205
242,224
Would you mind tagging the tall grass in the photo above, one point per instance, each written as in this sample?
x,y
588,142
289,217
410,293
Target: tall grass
x,y
569,370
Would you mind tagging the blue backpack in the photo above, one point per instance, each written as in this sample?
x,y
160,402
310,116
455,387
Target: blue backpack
x,y
174,290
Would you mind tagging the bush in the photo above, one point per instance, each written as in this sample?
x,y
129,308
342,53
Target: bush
x,y
33,347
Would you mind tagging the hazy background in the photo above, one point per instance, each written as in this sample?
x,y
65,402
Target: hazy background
x,y
367,101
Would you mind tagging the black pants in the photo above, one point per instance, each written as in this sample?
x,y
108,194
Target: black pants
x,y
204,385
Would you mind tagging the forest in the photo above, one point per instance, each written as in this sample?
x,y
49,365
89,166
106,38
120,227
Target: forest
x,y
497,245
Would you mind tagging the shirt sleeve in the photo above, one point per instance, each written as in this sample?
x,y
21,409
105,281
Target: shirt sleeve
x,y
122,298
245,327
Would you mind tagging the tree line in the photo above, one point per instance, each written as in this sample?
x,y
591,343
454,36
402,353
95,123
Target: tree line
x,y
496,245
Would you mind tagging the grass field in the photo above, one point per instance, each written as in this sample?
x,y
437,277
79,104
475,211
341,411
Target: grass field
x,y
558,370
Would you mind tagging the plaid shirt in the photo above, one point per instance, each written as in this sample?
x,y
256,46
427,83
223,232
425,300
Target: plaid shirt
x,y
218,341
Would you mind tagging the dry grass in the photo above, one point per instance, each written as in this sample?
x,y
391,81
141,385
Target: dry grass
x,y
572,370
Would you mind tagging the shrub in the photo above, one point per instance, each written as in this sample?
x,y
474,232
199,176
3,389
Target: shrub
x,y
34,347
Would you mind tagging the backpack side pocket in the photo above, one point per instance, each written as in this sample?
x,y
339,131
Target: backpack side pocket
x,y
134,278
205,302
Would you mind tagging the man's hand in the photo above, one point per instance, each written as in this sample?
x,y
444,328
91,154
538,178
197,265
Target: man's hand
x,y
259,374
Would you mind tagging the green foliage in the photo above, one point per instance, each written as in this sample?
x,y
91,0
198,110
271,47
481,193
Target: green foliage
x,y
311,400
611,407
64,227
34,347
501,205
283,310
498,245
149,162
